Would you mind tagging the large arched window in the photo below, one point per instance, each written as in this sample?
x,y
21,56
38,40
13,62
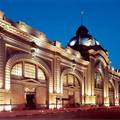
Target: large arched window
x,y
70,80
28,70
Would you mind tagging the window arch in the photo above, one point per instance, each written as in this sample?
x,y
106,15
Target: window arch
x,y
28,70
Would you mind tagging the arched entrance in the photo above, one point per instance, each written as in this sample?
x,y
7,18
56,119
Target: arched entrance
x,y
30,97
71,91
28,85
111,94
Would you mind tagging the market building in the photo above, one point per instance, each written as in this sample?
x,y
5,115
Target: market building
x,y
38,73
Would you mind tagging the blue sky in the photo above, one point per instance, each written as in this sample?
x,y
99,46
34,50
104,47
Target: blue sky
x,y
59,19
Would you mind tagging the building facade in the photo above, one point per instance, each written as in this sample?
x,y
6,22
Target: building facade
x,y
38,73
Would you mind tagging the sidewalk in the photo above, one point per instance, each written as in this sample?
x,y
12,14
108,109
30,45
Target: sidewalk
x,y
80,111
24,113
33,112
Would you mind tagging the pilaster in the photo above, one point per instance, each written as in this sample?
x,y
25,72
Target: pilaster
x,y
57,83
106,89
89,92
2,63
53,97
116,93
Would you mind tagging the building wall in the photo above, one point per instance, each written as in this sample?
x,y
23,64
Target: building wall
x,y
17,45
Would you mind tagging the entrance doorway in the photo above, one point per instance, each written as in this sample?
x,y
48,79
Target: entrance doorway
x,y
30,101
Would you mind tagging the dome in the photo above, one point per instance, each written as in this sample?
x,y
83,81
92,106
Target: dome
x,y
82,30
82,38
87,41
83,42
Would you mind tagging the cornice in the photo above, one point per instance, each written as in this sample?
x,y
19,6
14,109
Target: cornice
x,y
100,52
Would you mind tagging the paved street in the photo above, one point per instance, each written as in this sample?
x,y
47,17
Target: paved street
x,y
24,118
44,118
96,114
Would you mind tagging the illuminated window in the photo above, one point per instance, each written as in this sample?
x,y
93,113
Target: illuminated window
x,y
17,70
29,70
70,79
65,80
41,74
98,80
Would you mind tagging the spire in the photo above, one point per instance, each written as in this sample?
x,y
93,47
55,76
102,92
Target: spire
x,y
81,16
82,30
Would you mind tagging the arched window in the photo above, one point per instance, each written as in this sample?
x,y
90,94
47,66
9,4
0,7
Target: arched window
x,y
28,70
17,70
70,80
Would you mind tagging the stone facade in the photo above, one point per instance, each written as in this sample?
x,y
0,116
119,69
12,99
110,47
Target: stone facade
x,y
38,73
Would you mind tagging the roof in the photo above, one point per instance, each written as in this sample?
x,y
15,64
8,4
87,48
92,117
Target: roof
x,y
83,42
